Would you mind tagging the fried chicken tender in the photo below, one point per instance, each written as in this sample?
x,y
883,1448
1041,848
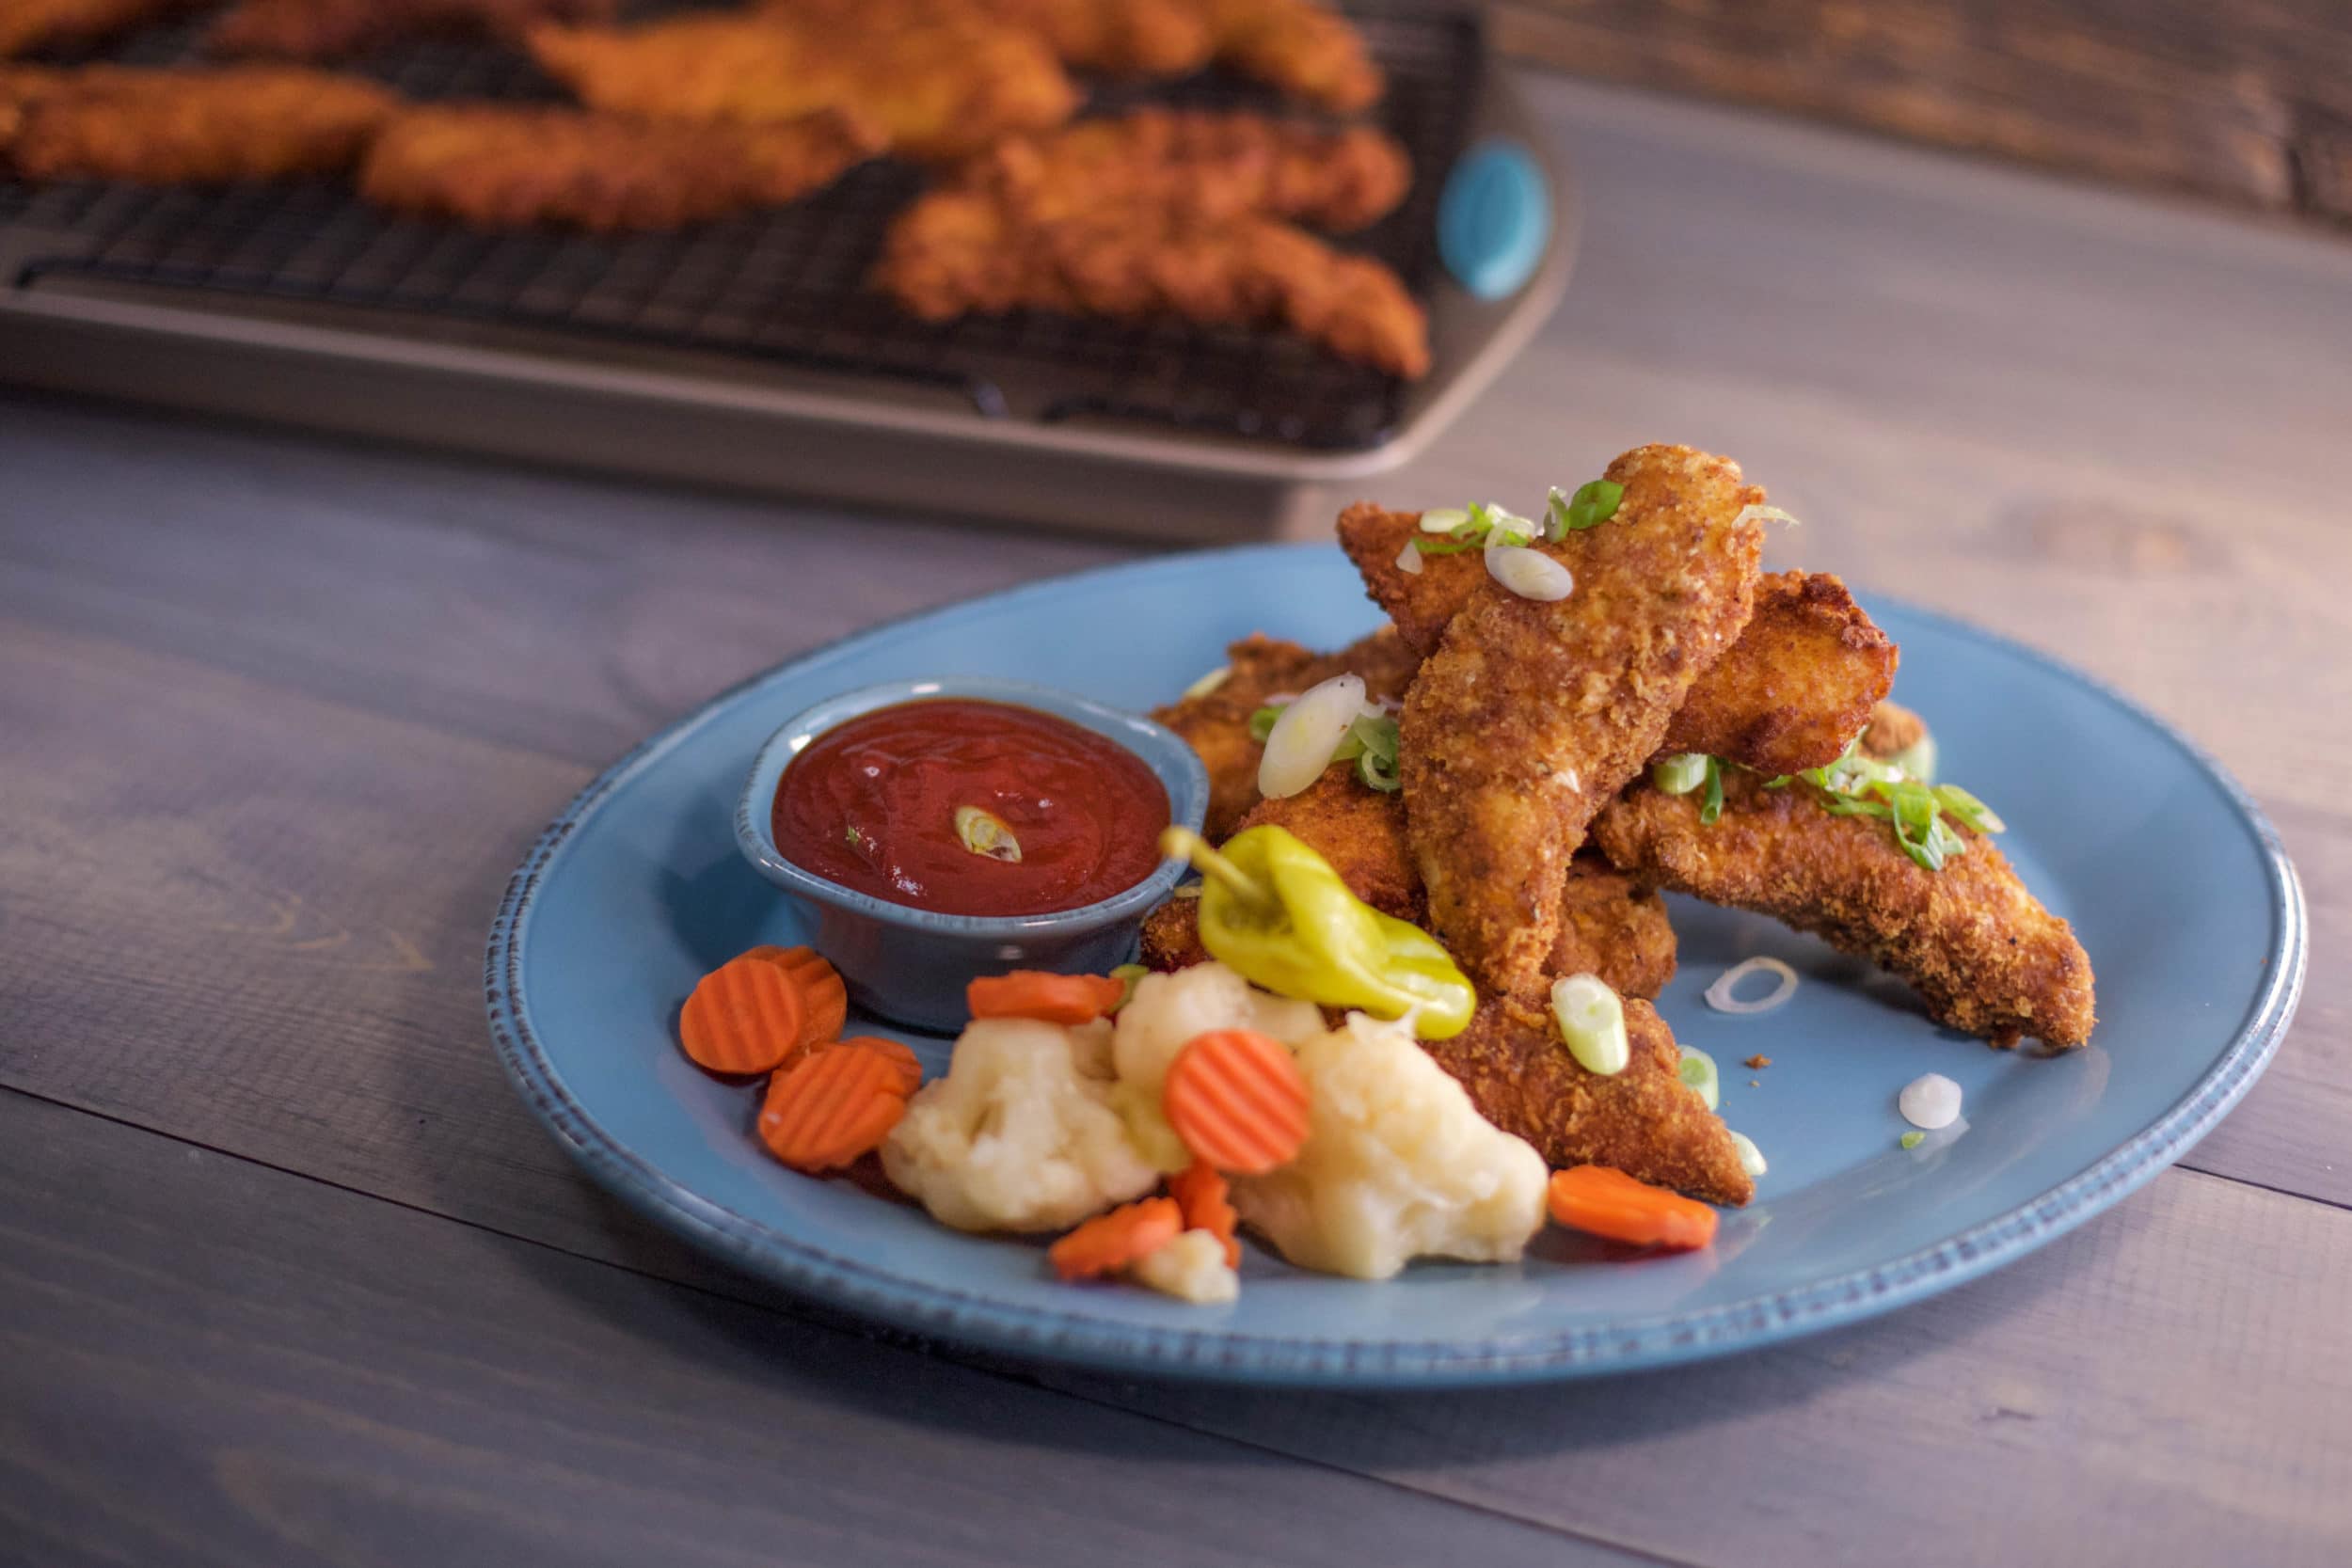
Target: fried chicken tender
x,y
28,25
942,85
1608,926
1644,1121
1531,716
502,165
189,127
332,29
1302,48
1213,166
958,252
1798,685
1117,38
1260,669
1986,957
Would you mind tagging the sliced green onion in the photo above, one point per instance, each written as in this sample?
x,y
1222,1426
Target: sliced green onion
x,y
1750,1157
1972,812
1409,559
1698,1068
1209,682
1528,574
1308,734
1379,773
1130,976
1594,504
1918,759
1913,1140
1262,723
1679,774
984,833
1443,519
1713,808
1592,1020
1444,547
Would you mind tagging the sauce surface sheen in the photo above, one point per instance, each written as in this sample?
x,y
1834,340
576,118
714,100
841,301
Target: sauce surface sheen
x,y
871,804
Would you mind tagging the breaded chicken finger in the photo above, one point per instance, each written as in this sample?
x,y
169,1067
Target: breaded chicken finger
x,y
1969,937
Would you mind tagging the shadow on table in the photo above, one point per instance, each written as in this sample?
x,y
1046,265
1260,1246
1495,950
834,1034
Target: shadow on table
x,y
760,1335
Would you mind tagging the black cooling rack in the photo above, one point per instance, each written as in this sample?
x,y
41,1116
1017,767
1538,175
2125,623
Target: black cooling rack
x,y
784,286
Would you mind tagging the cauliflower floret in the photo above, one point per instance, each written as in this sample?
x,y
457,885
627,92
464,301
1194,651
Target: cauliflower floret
x,y
1164,1016
1398,1164
1020,1135
1192,1268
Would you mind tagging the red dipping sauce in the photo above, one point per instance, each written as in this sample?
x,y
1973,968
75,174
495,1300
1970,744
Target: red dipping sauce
x,y
872,804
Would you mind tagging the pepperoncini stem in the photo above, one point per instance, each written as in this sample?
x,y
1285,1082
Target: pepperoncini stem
x,y
1182,844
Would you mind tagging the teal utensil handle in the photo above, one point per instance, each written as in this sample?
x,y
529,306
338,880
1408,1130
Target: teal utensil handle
x,y
1494,218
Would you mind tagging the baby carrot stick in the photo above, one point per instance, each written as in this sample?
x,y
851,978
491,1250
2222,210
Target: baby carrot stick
x,y
1054,998
1610,1203
1109,1243
1201,1193
1238,1100
829,1108
744,1017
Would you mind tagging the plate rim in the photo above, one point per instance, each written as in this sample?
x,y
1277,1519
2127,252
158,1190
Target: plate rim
x,y
1226,1355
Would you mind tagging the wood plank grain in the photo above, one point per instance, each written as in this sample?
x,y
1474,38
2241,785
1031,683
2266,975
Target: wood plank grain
x,y
204,1361
2170,1383
2242,102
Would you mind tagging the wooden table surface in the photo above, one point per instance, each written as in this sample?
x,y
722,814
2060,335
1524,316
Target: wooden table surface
x,y
287,1274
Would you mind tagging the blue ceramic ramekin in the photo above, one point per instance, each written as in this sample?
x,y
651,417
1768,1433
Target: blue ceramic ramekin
x,y
911,965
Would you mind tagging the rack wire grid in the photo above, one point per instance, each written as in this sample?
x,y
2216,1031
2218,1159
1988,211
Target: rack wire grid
x,y
783,285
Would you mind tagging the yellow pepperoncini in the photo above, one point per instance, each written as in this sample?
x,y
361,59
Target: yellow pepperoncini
x,y
1275,911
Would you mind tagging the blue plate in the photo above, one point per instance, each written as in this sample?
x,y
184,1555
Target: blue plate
x,y
637,888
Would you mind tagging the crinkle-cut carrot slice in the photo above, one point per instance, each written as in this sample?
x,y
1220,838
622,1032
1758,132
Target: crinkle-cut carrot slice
x,y
1109,1243
745,1016
1066,999
825,1000
901,1056
1202,1192
832,1107
1238,1100
1611,1204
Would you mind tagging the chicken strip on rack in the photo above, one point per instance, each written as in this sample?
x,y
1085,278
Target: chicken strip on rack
x,y
1261,669
959,252
1796,687
942,85
510,166
188,127
1981,951
332,29
1533,714
1303,48
1213,165
1643,1120
1608,926
30,25
1116,37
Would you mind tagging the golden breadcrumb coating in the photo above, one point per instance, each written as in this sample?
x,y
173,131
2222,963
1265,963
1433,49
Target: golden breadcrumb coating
x,y
1644,1121
1213,166
1788,695
1893,730
1302,48
189,127
501,166
1260,669
962,251
1531,716
1987,958
331,29
941,87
